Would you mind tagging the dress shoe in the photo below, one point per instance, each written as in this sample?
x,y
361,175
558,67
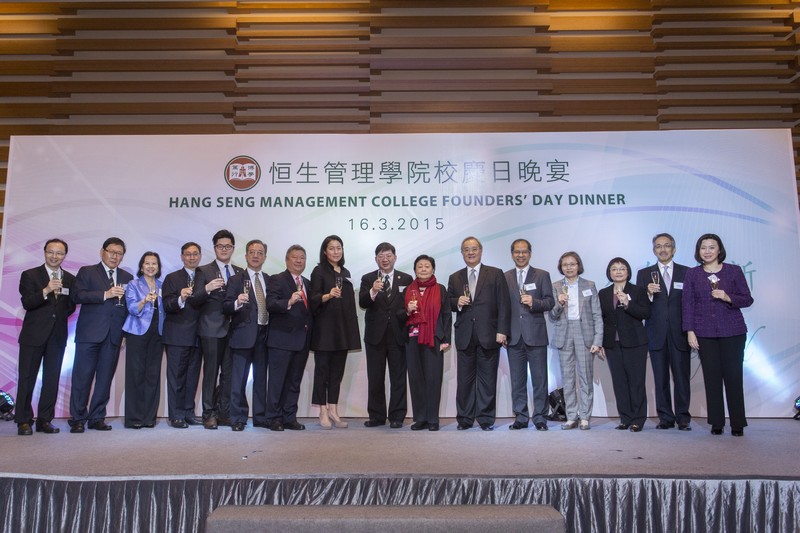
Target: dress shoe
x,y
149,425
486,426
237,426
224,421
45,427
100,425
416,426
569,424
541,426
210,422
585,425
193,421
395,424
716,431
433,427
622,427
665,425
374,423
294,426
636,428
737,432
684,426
276,425
260,424
464,425
179,424
24,429
337,422
518,425
76,427
133,426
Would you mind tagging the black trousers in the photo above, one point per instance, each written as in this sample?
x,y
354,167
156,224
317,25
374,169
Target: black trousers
x,y
425,373
665,360
216,361
143,354
722,359
94,362
328,375
386,353
284,394
256,356
476,388
31,358
178,363
628,368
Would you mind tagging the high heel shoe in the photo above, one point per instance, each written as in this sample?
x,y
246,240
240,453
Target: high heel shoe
x,y
333,412
324,421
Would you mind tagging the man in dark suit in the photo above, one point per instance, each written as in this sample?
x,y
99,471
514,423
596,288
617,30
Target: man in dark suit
x,y
100,291
479,296
290,322
45,294
246,302
381,294
212,328
531,295
180,332
667,343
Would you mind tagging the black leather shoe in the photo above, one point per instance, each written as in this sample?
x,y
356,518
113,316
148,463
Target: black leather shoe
x,y
222,421
134,426
486,426
76,428
416,426
179,424
433,427
193,421
636,428
541,426
210,422
24,429
464,425
395,424
149,425
100,425
716,431
518,425
374,423
684,426
237,426
259,424
737,432
46,427
622,427
665,425
276,425
294,426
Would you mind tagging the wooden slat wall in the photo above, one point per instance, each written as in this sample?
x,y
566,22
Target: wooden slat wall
x,y
392,66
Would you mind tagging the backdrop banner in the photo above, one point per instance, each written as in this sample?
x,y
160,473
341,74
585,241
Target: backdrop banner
x,y
600,194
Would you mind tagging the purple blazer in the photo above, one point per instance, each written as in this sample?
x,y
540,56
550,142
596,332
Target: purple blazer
x,y
710,317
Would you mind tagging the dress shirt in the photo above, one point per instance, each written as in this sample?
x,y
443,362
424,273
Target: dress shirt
x,y
573,303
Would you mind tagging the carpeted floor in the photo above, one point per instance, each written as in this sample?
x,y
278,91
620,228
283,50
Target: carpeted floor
x,y
768,450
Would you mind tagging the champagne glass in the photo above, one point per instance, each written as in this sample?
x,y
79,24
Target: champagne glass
x,y
119,298
415,299
714,284
467,292
299,285
565,288
154,293
246,289
190,284
219,276
654,276
57,292
339,281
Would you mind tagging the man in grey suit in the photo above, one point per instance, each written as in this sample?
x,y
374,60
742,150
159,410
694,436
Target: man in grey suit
x,y
531,295
479,296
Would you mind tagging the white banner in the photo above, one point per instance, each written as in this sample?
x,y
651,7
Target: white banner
x,y
600,194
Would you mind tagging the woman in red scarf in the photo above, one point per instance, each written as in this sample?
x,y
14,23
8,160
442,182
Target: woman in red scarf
x,y
429,324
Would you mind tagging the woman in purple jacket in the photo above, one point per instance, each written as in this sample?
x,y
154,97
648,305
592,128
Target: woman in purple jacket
x,y
713,294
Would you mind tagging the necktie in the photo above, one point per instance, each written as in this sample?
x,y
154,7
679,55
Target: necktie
x,y
227,274
261,301
667,279
111,277
473,280
387,286
301,289
521,282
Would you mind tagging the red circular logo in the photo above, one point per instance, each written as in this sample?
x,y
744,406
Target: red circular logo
x,y
242,173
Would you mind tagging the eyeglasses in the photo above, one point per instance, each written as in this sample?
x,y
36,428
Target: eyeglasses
x,y
662,247
191,254
113,253
255,252
470,250
569,264
223,247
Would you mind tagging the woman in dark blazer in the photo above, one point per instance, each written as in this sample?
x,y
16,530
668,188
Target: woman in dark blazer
x,y
428,328
333,303
624,306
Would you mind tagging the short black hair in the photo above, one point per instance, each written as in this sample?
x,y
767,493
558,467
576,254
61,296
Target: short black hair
x,y
425,257
527,243
385,247
115,240
618,260
189,245
710,236
323,259
295,248
667,235
140,273
59,241
223,234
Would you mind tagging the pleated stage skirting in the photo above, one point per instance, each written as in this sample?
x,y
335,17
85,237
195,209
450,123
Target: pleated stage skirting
x,y
600,480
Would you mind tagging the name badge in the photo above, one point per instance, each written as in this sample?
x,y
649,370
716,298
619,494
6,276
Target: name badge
x,y
677,285
587,293
529,286
401,288
65,291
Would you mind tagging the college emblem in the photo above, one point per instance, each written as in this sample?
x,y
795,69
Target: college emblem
x,y
242,173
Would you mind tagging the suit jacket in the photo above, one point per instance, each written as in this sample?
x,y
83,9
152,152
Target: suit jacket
x,y
138,322
244,321
212,321
98,318
180,324
528,323
289,328
44,317
665,309
388,310
489,312
335,321
591,318
625,322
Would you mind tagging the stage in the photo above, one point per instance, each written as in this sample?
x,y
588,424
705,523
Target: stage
x,y
166,479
